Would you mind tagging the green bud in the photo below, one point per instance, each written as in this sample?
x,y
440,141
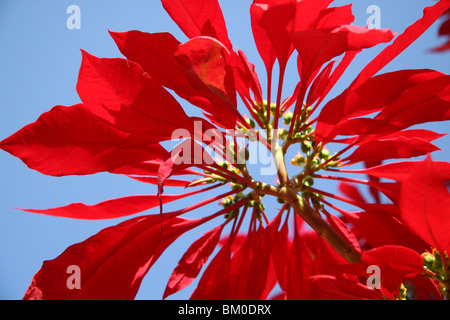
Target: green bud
x,y
235,186
428,260
306,146
283,133
308,181
227,202
273,108
403,292
244,154
437,263
287,119
324,153
250,122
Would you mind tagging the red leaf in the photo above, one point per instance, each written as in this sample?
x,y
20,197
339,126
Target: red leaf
x,y
112,263
335,16
351,191
367,99
300,269
204,60
400,171
155,53
344,288
120,92
425,202
265,49
72,141
379,228
414,106
414,31
278,22
395,148
396,263
281,247
186,154
318,46
109,209
212,283
338,225
261,277
192,261
191,16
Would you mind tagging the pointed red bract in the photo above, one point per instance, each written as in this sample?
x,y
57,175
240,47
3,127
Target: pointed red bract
x,y
204,60
391,149
198,17
414,31
332,42
262,42
72,141
120,92
109,209
425,203
396,263
192,261
348,290
155,53
111,263
300,269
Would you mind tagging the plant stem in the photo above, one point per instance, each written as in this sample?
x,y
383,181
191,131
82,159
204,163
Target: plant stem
x,y
312,218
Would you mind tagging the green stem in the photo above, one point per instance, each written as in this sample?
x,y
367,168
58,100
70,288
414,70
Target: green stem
x,y
312,218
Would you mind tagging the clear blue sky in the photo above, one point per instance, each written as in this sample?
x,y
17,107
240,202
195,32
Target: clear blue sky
x,y
39,63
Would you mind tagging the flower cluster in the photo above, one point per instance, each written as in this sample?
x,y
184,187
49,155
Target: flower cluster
x,y
310,248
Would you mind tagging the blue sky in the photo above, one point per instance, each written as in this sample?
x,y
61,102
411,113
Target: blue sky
x,y
39,64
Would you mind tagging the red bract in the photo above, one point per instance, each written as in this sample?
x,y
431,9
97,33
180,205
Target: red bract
x,y
310,247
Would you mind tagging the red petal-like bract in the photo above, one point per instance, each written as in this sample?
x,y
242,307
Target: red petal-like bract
x,y
391,149
73,141
111,263
197,18
425,203
333,42
109,209
192,261
396,263
299,270
414,31
120,92
262,42
204,61
346,289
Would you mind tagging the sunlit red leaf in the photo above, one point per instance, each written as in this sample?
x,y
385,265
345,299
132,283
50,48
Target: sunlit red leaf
x,y
332,42
396,263
391,149
109,209
155,53
120,92
112,263
344,288
404,40
192,261
204,60
300,269
72,141
425,203
195,17
262,42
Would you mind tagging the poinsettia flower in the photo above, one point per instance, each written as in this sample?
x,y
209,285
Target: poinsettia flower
x,y
310,246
